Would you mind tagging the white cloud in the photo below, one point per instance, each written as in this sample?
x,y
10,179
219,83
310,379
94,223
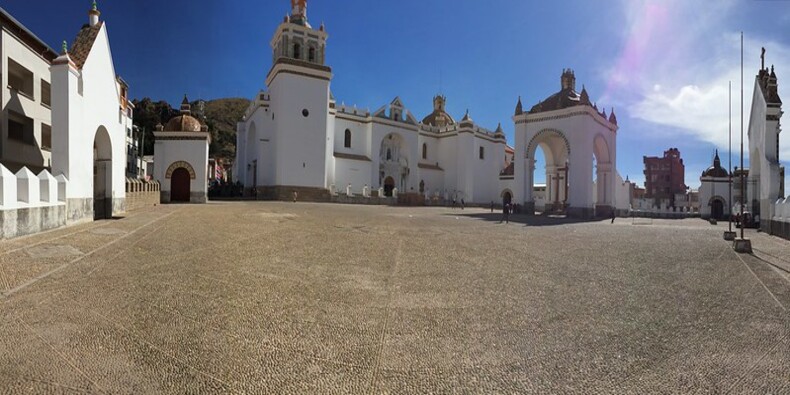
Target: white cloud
x,y
678,63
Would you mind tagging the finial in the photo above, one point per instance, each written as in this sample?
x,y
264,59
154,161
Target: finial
x,y
65,48
94,7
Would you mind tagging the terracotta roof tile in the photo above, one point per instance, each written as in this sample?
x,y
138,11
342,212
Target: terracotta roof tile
x,y
83,44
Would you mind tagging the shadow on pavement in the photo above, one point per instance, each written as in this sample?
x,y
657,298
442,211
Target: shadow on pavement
x,y
527,220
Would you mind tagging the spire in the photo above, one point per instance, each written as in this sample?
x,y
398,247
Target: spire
x,y
299,12
612,117
467,117
499,129
93,14
585,98
185,107
519,107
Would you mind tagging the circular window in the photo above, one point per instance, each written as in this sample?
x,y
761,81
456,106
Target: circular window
x,y
305,113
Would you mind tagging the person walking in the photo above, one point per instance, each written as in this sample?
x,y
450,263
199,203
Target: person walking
x,y
295,196
505,213
462,203
613,216
492,206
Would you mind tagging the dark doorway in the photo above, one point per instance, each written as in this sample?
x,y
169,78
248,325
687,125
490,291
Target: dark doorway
x,y
102,175
507,198
717,209
179,185
389,185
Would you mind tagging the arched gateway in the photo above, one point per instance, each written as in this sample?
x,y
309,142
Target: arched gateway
x,y
579,146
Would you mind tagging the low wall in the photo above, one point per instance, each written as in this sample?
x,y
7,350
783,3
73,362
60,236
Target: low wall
x,y
141,194
31,203
777,222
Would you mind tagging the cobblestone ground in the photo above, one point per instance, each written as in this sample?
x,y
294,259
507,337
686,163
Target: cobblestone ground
x,y
311,298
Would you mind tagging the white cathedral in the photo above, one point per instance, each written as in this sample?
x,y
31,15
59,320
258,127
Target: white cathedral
x,y
294,138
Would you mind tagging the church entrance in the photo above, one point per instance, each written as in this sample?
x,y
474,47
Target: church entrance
x,y
179,185
389,185
717,209
102,175
507,198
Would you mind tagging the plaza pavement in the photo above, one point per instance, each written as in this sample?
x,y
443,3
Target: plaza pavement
x,y
251,297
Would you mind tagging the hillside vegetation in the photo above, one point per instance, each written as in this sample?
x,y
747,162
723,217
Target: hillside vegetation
x,y
219,115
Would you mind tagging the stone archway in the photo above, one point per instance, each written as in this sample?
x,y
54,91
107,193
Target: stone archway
x,y
102,174
180,174
717,208
507,196
180,186
603,172
389,186
556,151
394,161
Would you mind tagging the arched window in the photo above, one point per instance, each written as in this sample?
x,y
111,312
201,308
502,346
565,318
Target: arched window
x,y
311,54
424,151
347,141
389,154
297,51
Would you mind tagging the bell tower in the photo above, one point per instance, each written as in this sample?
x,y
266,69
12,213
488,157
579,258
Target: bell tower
x,y
298,82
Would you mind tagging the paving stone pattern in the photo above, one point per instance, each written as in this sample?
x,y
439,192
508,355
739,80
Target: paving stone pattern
x,y
260,297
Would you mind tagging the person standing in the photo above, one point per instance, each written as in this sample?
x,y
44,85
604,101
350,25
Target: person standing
x,y
295,196
492,206
505,213
613,216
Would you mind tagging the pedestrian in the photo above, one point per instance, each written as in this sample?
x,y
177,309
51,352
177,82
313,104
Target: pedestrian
x,y
505,213
613,216
492,206
453,202
295,196
462,203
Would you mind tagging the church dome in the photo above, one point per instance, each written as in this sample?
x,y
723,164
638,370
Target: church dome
x,y
716,170
183,123
439,117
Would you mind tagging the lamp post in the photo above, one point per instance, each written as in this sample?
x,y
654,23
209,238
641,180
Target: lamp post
x,y
742,244
729,235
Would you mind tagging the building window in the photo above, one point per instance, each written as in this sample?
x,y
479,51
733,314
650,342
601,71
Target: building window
x,y
347,140
20,128
46,93
311,54
482,153
424,151
297,51
20,79
46,137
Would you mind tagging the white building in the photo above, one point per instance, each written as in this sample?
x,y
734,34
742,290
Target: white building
x,y
90,118
294,137
573,135
181,158
714,191
25,97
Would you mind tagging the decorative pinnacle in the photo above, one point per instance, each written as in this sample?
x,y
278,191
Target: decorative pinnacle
x,y
94,7
65,48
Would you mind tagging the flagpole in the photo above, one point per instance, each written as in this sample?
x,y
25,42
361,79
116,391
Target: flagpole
x,y
729,165
743,184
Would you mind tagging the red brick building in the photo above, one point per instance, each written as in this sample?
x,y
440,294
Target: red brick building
x,y
664,177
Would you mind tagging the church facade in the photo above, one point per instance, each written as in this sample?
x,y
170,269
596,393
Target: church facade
x,y
294,137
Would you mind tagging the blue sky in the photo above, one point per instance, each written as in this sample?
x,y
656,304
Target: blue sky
x,y
664,65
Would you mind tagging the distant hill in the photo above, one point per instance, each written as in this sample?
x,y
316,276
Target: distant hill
x,y
221,116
